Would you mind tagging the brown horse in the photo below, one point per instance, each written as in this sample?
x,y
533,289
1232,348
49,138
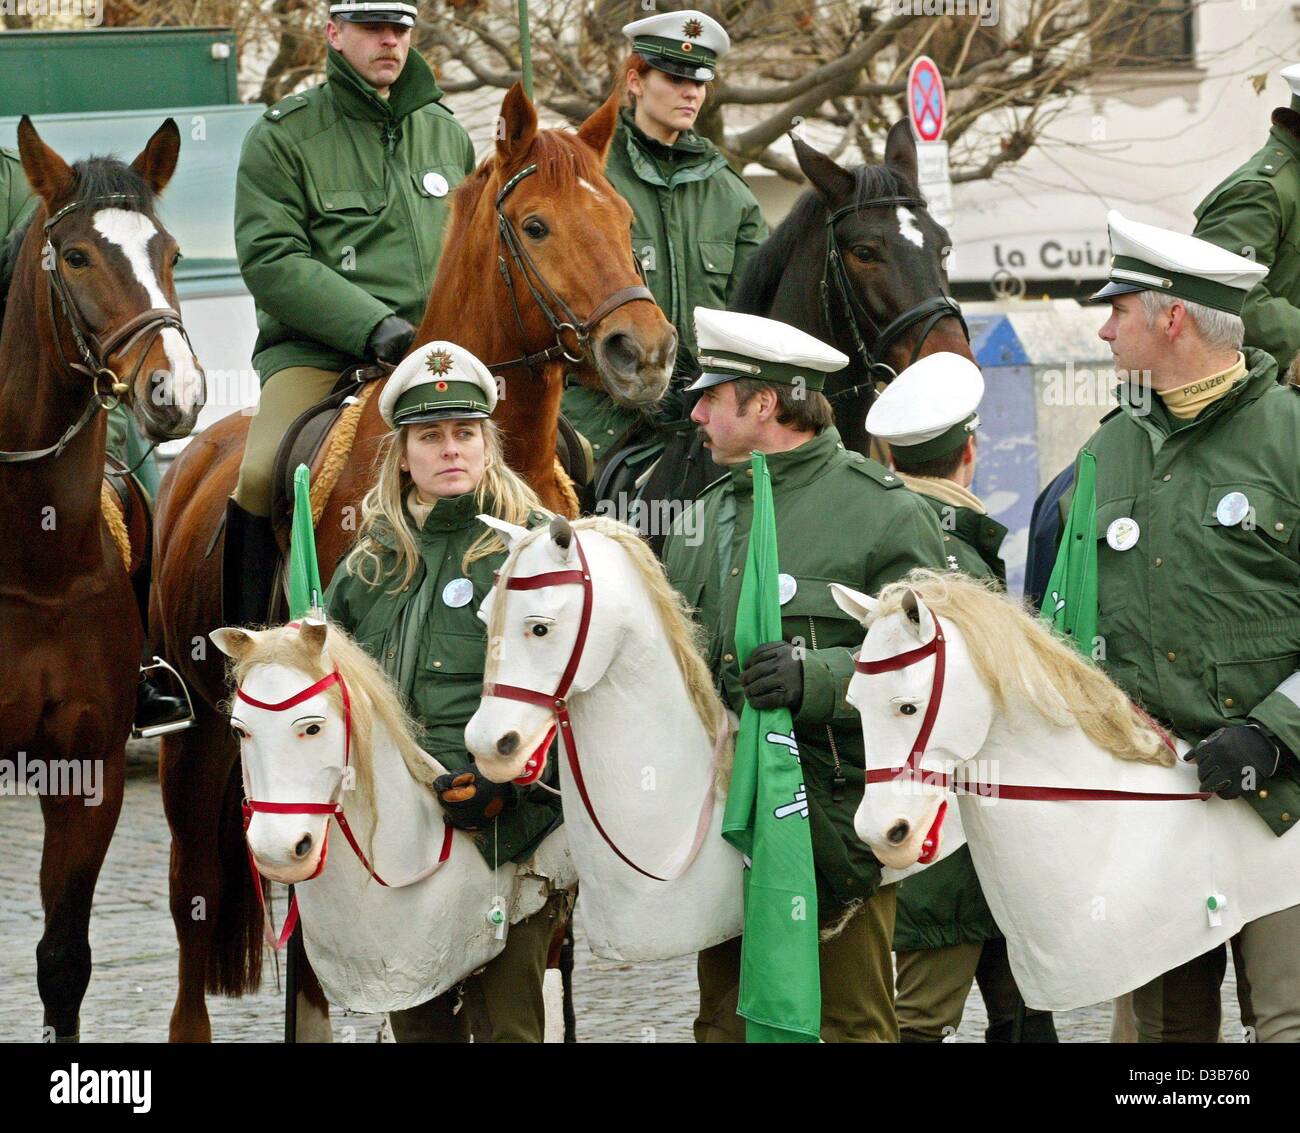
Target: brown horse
x,y
535,234
90,317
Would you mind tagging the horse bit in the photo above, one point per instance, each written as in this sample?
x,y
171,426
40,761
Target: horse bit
x,y
545,296
95,350
835,278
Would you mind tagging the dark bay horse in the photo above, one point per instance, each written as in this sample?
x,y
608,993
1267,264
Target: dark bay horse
x,y
90,318
536,271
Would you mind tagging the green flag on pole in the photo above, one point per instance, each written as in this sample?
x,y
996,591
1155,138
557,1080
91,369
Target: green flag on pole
x,y
304,573
766,819
1070,602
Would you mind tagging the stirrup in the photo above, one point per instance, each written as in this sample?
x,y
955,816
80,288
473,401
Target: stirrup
x,y
169,726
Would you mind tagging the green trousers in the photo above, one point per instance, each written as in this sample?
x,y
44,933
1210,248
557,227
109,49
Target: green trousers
x,y
856,975
284,396
500,1004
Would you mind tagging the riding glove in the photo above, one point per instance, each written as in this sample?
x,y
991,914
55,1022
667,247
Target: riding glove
x,y
773,676
1237,759
390,340
469,800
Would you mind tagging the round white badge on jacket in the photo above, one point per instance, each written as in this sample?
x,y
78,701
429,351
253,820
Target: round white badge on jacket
x,y
435,184
786,587
1232,509
457,593
1123,533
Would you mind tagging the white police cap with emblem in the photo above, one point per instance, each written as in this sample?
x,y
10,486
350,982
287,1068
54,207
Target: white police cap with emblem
x,y
436,381
1292,76
687,43
375,13
731,345
1147,258
928,411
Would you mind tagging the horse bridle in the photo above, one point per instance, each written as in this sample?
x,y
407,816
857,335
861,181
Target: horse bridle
x,y
835,278
95,350
548,301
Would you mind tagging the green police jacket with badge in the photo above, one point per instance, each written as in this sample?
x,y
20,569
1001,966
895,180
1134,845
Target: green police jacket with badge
x,y
1200,614
340,204
839,518
450,651
1255,213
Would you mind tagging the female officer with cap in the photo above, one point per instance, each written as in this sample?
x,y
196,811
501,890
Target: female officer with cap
x,y
409,591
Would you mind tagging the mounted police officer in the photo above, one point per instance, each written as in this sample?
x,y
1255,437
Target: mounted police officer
x,y
409,593
1198,552
1255,212
340,203
695,222
839,518
945,936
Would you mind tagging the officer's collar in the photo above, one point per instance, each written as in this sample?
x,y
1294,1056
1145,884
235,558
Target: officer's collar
x,y
795,467
1287,121
688,143
455,513
1261,374
415,87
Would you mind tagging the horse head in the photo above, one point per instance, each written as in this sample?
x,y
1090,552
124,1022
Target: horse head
x,y
907,666
112,318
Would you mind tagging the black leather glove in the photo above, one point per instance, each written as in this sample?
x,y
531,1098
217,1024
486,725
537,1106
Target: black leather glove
x,y
469,800
1222,759
773,677
390,340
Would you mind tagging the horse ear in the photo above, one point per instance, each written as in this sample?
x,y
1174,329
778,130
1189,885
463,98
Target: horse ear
x,y
516,126
157,161
861,607
918,617
561,531
313,633
510,533
832,182
598,130
50,176
900,150
232,641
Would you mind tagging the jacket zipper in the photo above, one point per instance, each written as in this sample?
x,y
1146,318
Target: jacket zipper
x,y
838,782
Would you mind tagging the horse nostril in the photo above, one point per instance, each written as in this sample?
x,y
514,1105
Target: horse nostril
x,y
303,848
621,352
507,744
898,832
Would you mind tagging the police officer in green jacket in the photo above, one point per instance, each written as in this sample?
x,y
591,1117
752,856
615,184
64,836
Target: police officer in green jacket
x,y
409,593
340,202
1255,212
695,222
839,518
945,936
1198,560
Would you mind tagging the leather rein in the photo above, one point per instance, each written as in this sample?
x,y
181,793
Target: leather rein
x,y
106,387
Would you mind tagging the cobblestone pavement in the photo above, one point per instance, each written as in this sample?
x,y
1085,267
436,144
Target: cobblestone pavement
x,y
134,980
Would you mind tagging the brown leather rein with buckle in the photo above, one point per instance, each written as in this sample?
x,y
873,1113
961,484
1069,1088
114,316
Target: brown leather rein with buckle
x,y
545,296
95,350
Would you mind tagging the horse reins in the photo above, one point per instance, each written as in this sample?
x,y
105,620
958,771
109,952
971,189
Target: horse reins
x,y
547,299
911,767
333,808
95,350
558,704
835,278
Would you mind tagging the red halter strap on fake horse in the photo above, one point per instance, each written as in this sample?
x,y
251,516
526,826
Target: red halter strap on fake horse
x,y
557,701
911,767
335,808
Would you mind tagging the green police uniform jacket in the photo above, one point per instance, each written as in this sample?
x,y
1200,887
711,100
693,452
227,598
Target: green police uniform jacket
x,y
839,518
450,654
944,904
337,225
1255,213
1201,621
695,224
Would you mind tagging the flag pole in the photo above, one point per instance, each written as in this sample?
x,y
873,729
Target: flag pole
x,y
526,49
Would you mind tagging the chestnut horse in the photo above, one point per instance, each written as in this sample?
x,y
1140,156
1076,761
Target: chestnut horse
x,y
90,319
536,234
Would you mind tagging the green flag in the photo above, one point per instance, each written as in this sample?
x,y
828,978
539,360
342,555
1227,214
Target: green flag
x,y
1070,602
766,819
304,573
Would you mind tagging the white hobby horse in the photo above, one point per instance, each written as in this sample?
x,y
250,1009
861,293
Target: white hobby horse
x,y
1102,861
323,737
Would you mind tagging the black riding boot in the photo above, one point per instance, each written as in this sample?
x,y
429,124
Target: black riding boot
x,y
248,564
154,707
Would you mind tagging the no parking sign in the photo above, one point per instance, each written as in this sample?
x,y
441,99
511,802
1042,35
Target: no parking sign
x,y
926,106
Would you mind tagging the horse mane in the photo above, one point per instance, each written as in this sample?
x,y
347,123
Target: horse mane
x,y
758,283
1015,652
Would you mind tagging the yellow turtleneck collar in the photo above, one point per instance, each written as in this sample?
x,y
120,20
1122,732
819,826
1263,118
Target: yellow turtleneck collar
x,y
1187,401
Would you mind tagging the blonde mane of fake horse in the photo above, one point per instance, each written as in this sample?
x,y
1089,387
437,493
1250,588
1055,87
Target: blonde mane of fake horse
x,y
1017,653
684,637
372,694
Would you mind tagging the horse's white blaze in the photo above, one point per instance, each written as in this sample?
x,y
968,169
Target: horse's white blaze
x,y
907,227
130,232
